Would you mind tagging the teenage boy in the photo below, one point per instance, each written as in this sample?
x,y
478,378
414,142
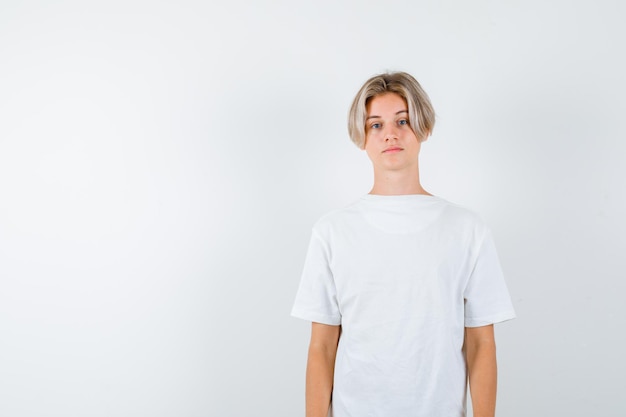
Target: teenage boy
x,y
402,287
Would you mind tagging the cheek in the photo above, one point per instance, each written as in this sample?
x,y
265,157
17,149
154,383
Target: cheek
x,y
372,136
369,151
370,141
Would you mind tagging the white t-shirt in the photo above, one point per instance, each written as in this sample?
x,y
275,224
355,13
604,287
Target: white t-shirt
x,y
403,276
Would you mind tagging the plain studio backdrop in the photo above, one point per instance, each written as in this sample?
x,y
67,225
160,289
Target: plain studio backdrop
x,y
162,164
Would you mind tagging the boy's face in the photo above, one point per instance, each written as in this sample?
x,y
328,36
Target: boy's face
x,y
390,142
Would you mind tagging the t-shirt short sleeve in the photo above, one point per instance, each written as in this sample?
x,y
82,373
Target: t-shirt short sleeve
x,y
487,299
316,299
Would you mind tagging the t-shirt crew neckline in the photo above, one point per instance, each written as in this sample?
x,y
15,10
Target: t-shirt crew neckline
x,y
399,197
403,214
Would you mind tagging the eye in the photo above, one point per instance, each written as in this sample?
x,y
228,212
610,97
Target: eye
x,y
375,126
403,122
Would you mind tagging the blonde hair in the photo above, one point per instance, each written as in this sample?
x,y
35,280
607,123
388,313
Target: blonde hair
x,y
421,112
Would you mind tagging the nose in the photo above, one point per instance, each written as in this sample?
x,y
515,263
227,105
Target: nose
x,y
391,133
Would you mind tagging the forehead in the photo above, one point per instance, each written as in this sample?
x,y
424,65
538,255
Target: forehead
x,y
385,103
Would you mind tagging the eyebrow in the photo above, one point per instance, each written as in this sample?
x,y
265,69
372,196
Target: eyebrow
x,y
375,117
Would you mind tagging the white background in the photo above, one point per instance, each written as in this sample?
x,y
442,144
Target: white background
x,y
162,163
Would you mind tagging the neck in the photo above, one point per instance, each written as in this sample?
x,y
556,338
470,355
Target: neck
x,y
397,183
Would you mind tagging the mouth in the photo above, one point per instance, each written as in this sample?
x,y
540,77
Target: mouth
x,y
393,149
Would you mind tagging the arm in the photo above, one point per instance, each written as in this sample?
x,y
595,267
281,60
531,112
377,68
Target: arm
x,y
321,368
480,351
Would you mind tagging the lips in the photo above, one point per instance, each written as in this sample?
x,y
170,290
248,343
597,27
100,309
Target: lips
x,y
393,149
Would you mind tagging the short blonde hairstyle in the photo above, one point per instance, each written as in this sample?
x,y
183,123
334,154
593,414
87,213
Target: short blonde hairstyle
x,y
421,112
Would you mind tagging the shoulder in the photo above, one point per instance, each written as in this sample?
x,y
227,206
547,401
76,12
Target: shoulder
x,y
465,218
462,212
336,219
